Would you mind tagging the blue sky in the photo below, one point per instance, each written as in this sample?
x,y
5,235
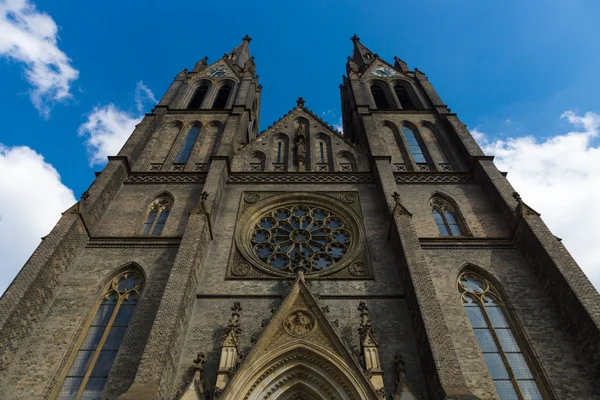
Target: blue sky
x,y
509,69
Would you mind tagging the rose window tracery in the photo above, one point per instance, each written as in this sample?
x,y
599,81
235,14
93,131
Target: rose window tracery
x,y
300,238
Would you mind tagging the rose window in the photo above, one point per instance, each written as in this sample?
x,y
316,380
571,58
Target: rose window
x,y
300,238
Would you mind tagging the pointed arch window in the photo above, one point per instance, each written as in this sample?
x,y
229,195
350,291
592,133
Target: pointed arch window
x,y
502,353
381,101
446,218
88,368
322,152
222,97
199,96
156,217
404,98
188,144
413,145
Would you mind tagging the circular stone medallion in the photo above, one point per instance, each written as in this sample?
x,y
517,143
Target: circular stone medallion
x,y
300,322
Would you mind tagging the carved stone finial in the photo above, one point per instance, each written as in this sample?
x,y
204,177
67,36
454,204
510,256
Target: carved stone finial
x,y
85,195
204,195
300,102
517,197
247,38
365,327
355,38
300,275
401,377
396,196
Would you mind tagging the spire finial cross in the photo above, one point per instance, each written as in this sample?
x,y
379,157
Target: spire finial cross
x,y
247,38
300,102
355,38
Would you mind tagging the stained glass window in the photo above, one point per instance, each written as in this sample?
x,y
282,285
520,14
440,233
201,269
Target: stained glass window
x,y
188,144
445,218
156,217
92,362
507,365
413,145
301,238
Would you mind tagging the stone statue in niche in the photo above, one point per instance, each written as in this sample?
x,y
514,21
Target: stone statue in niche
x,y
301,145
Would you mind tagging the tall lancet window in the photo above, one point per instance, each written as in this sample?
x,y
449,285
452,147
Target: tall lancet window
x,y
157,215
322,152
188,144
88,368
446,218
381,101
404,98
413,145
198,97
222,96
279,144
508,366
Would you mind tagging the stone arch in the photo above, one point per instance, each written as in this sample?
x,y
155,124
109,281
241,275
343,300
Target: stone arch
x,y
207,145
395,144
323,159
346,162
190,91
256,161
439,147
410,98
300,367
386,94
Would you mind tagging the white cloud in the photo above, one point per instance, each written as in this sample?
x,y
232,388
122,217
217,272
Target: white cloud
x,y
30,37
108,127
339,126
560,178
31,200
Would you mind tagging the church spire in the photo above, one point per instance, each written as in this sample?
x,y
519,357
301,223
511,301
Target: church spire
x,y
241,54
362,56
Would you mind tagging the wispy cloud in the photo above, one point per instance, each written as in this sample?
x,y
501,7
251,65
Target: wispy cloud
x,y
559,177
30,37
108,127
32,197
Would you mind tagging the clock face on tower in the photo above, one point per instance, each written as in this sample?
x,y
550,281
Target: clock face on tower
x,y
218,72
383,71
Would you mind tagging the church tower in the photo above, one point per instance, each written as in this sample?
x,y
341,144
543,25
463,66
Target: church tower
x,y
208,261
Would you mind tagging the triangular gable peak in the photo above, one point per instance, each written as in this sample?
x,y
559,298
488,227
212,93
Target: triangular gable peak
x,y
300,132
300,352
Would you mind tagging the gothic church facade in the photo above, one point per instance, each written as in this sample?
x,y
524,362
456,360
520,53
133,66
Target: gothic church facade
x,y
208,261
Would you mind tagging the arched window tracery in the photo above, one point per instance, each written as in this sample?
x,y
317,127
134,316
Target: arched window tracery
x,y
88,368
413,145
188,144
506,362
380,98
198,98
446,218
156,216
222,97
404,98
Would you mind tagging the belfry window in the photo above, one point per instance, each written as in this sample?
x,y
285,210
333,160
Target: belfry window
x,y
199,96
381,101
222,97
404,98
446,218
413,145
156,217
506,362
89,367
188,144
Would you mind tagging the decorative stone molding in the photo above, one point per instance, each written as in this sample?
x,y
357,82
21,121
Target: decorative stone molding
x,y
166,178
132,242
434,178
300,178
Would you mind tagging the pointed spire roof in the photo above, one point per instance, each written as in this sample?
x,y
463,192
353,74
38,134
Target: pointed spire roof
x,y
241,54
361,55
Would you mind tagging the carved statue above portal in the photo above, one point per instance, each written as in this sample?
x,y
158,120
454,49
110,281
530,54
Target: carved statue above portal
x,y
301,144
299,323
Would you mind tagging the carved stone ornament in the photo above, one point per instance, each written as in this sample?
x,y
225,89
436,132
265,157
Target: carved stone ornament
x,y
358,269
242,268
252,198
349,198
300,323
